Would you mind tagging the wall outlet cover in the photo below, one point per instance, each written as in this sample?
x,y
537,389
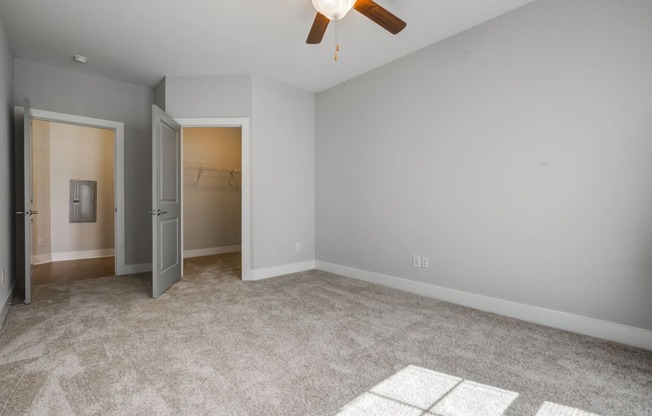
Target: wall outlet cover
x,y
297,246
416,260
425,262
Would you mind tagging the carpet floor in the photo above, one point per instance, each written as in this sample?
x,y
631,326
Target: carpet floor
x,y
310,343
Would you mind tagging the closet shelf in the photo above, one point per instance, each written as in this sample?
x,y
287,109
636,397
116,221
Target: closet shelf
x,y
202,168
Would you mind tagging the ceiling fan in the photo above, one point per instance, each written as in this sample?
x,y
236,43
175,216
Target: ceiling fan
x,y
335,10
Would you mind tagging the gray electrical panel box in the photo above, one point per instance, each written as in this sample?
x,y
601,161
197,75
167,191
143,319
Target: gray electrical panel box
x,y
83,197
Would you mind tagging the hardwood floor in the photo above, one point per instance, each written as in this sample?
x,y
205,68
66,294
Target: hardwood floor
x,y
69,271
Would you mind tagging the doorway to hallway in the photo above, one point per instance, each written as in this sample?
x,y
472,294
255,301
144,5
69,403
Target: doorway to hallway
x,y
79,195
73,189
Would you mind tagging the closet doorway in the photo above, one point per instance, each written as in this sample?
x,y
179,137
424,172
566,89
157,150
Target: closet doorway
x,y
73,172
212,200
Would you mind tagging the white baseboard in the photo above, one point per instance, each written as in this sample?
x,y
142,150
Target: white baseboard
x,y
72,255
6,306
266,273
210,251
42,258
611,331
257,274
136,268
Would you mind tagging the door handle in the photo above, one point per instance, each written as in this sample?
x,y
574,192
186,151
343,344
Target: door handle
x,y
157,212
30,212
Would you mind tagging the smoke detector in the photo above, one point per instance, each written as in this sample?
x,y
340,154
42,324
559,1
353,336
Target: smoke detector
x,y
81,59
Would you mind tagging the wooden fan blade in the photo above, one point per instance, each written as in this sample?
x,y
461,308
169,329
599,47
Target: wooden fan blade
x,y
380,15
318,29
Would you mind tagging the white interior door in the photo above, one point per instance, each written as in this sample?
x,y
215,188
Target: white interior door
x,y
166,202
24,200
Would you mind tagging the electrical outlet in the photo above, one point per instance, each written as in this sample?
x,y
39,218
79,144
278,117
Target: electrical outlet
x,y
41,241
416,260
297,246
425,262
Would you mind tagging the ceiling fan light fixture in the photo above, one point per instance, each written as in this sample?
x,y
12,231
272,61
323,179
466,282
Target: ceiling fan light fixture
x,y
333,9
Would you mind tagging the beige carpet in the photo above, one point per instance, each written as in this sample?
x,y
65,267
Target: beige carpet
x,y
304,344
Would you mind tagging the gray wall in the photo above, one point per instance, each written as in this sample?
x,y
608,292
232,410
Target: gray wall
x,y
283,179
208,96
64,91
282,147
6,166
516,156
159,95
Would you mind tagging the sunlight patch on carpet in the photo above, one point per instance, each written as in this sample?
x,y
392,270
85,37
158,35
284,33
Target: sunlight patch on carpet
x,y
371,404
554,409
416,391
419,391
470,398
416,386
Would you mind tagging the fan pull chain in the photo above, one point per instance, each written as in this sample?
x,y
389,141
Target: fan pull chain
x,y
337,41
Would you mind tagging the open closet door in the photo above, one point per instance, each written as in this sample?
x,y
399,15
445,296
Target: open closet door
x,y
24,202
166,202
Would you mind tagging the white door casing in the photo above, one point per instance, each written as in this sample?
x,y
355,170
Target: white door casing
x,y
24,204
244,124
119,172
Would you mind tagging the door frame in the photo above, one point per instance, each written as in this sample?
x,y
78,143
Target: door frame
x,y
118,171
244,124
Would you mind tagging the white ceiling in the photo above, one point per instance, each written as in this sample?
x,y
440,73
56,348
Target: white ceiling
x,y
140,41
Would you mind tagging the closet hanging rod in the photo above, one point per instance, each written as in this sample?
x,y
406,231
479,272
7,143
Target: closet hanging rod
x,y
230,170
201,170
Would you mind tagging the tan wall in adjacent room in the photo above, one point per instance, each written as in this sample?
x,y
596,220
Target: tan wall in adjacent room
x,y
41,190
84,153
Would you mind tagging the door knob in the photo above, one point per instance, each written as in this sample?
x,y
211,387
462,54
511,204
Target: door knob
x,y
157,212
30,212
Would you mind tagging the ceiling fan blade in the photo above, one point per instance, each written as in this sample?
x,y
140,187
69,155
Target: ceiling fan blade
x,y
318,29
380,15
